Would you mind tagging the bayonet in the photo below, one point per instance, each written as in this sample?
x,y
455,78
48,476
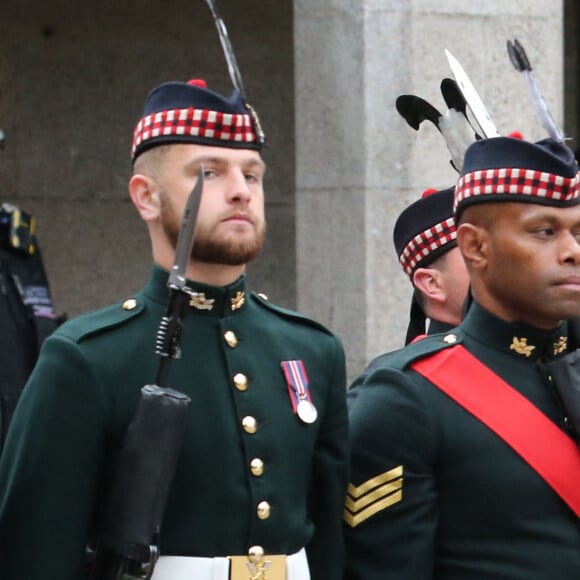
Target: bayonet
x,y
519,59
474,102
127,546
167,345
177,276
233,68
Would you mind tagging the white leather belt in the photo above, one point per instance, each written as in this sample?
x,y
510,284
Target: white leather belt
x,y
184,568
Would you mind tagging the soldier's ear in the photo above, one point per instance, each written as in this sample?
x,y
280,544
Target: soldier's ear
x,y
429,282
145,196
473,243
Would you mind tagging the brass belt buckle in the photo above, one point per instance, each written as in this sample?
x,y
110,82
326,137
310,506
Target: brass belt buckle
x,y
257,566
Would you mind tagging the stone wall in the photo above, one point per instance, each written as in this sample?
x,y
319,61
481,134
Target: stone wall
x,y
324,76
73,80
359,164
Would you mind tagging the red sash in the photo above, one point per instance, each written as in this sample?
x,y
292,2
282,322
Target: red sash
x,y
546,448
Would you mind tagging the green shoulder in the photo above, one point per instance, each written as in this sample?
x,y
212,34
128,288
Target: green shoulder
x,y
262,301
94,322
422,348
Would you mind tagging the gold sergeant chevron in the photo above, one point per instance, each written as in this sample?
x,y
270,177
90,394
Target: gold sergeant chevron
x,y
372,496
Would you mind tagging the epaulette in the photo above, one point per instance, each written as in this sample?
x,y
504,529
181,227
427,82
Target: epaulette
x,y
403,358
262,300
94,322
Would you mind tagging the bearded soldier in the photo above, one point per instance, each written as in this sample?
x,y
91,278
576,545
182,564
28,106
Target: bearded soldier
x,y
260,480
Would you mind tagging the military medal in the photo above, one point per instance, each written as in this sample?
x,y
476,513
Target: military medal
x,y
306,411
297,381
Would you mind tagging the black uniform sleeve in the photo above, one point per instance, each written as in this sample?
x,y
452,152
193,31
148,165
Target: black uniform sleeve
x,y
391,507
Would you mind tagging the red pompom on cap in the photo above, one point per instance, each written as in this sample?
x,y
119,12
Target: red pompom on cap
x,y
516,135
428,192
198,83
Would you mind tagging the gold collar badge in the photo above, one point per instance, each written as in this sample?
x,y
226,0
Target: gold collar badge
x,y
561,345
521,346
199,301
238,300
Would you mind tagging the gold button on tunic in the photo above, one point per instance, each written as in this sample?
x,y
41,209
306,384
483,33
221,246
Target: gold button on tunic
x,y
250,424
130,304
257,467
263,510
241,381
231,338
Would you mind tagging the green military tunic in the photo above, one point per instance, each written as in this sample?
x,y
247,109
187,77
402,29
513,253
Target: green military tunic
x,y
435,327
250,472
436,494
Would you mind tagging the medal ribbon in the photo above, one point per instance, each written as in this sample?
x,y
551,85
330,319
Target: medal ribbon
x,y
297,381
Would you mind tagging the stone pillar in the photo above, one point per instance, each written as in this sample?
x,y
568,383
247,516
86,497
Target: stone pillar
x,y
357,162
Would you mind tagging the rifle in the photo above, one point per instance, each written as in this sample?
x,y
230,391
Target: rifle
x,y
127,544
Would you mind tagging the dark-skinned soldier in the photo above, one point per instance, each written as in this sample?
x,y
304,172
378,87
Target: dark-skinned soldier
x,y
463,462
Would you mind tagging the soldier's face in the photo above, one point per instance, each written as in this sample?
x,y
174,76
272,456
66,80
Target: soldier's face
x,y
231,227
532,263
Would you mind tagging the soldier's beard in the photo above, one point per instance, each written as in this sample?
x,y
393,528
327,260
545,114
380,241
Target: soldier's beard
x,y
208,247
